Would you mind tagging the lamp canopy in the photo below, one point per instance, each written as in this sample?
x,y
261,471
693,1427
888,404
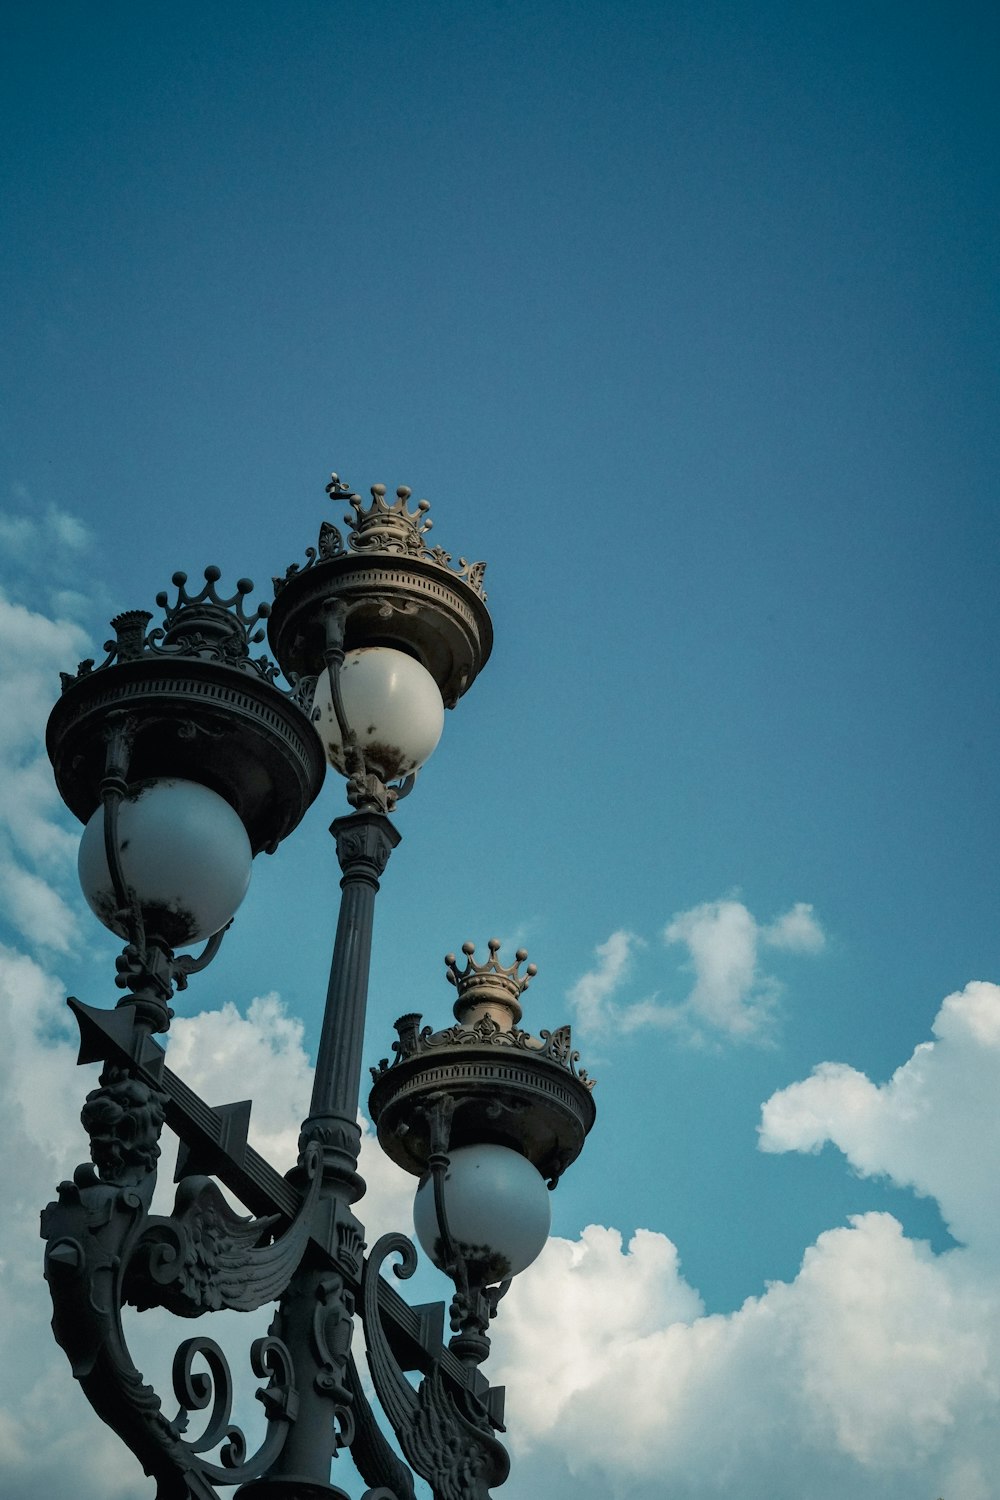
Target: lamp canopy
x,y
510,1088
395,589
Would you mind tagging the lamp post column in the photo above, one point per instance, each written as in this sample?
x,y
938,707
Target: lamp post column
x,y
316,1313
365,841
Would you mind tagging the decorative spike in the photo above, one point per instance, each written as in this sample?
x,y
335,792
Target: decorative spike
x,y
130,629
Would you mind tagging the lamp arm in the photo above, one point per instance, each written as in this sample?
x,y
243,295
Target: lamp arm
x,y
366,792
119,737
185,964
334,622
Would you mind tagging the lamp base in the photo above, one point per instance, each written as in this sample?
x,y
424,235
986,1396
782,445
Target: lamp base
x,y
289,1487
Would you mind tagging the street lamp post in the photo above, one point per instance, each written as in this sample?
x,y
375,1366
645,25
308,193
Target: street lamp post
x,y
185,757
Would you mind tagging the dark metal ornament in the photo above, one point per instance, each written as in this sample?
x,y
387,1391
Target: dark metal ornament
x,y
200,708
395,591
188,700
505,1085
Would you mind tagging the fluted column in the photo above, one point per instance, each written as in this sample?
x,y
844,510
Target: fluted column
x,y
364,842
316,1311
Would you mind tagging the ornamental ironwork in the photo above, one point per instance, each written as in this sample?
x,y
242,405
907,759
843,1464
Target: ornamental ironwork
x,y
188,699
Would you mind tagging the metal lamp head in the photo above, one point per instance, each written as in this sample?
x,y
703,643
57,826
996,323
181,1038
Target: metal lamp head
x,y
502,1085
383,589
185,759
397,591
197,706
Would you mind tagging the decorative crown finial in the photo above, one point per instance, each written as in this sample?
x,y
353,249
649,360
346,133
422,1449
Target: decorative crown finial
x,y
206,614
386,528
484,987
382,527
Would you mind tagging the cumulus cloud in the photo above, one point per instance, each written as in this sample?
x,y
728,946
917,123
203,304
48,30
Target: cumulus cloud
x,y
592,992
732,995
37,844
874,1373
931,1127
796,930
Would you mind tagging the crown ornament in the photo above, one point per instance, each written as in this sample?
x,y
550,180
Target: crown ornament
x,y
498,1083
484,988
207,615
199,625
383,527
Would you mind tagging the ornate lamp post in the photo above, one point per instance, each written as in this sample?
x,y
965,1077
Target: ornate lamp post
x,y
185,757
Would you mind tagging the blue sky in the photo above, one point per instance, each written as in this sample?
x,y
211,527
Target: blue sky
x,y
684,317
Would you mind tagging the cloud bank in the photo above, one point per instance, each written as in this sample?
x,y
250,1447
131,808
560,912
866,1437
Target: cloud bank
x,y
875,1373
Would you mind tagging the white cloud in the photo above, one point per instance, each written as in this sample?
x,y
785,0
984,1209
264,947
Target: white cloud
x,y
37,844
874,1373
877,1368
38,912
731,997
592,992
796,930
67,530
27,531
933,1127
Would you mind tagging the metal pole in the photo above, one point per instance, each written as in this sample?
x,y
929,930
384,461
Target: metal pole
x,y
365,841
316,1313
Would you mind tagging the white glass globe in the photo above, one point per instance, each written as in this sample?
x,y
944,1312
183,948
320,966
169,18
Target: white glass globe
x,y
392,704
185,853
498,1210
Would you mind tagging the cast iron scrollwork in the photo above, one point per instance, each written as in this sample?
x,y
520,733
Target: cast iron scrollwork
x,y
105,1250
195,1390
446,1434
205,1257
